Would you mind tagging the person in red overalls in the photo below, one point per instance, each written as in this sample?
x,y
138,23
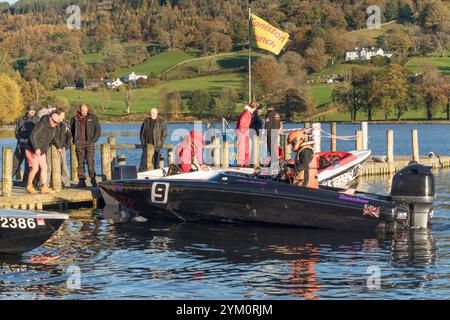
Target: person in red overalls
x,y
306,174
190,151
243,135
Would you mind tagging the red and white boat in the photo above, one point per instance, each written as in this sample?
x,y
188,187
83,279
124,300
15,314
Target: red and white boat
x,y
336,169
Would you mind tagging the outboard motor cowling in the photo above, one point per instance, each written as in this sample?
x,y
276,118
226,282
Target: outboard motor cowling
x,y
415,186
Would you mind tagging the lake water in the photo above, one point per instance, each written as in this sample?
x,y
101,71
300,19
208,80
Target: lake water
x,y
220,261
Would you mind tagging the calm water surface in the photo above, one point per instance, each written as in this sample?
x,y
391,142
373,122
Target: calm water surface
x,y
220,261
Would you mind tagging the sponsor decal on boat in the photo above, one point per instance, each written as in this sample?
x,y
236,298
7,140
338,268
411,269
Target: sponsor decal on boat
x,y
371,211
40,221
352,199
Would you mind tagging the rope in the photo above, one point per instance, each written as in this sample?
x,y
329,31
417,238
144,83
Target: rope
x,y
326,134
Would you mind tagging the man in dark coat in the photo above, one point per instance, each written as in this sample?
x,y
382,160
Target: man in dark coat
x,y
24,127
257,121
63,139
273,126
154,132
85,129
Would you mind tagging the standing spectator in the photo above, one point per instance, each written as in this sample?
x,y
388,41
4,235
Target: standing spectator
x,y
257,121
45,111
41,138
85,129
63,139
154,132
273,126
243,135
24,127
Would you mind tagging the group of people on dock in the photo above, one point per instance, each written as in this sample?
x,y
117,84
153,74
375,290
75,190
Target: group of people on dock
x,y
37,131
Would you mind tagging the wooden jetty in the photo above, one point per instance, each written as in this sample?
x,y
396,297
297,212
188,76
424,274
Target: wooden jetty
x,y
219,156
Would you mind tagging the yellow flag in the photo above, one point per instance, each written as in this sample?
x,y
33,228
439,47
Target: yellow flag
x,y
266,36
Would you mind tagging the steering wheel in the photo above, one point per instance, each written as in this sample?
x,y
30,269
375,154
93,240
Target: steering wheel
x,y
173,170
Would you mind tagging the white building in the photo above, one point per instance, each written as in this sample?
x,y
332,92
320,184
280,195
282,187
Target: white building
x,y
114,84
365,54
134,77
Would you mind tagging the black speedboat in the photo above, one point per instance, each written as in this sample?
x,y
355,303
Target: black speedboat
x,y
22,231
236,197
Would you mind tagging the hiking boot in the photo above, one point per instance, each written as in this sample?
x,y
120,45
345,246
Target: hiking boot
x,y
47,190
31,190
94,183
81,184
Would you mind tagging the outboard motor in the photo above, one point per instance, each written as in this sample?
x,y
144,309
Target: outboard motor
x,y
414,185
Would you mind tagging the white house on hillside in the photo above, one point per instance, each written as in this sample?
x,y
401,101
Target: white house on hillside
x,y
114,84
365,54
134,77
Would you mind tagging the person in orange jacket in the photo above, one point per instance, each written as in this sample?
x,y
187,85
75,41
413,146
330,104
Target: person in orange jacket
x,y
190,151
243,135
306,172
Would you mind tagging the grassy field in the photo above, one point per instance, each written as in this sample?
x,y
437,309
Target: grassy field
x,y
156,64
207,65
92,58
146,98
321,94
367,37
415,65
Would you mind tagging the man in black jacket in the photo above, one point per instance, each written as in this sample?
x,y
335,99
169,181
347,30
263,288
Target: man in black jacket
x,y
154,132
24,127
273,126
257,121
86,131
41,138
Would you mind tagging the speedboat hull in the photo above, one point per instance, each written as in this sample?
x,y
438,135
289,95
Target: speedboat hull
x,y
231,197
22,231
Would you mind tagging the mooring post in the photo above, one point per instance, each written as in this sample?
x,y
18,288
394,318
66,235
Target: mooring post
x,y
358,142
317,137
415,145
73,164
390,150
287,149
169,156
7,168
112,143
333,136
106,162
150,149
365,135
216,153
256,146
225,154
56,169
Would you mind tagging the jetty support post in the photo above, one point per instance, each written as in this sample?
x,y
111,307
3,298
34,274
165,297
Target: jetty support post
x,y
390,151
365,135
150,149
56,169
7,166
216,153
287,149
73,164
225,154
415,145
333,146
106,161
113,156
317,137
256,147
359,140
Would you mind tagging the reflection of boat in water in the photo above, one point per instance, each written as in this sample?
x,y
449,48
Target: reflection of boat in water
x,y
237,197
22,231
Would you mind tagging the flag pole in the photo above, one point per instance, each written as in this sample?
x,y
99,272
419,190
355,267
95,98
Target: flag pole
x,y
249,55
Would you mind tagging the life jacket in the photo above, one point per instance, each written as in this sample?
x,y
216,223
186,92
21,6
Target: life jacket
x,y
190,151
313,181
